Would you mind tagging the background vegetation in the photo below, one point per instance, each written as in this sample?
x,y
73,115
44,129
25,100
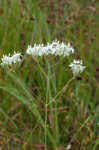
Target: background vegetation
x,y
74,119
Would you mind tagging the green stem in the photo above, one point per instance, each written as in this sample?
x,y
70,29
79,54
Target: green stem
x,y
61,91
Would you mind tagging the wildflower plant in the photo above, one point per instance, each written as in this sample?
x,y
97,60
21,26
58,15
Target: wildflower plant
x,y
56,49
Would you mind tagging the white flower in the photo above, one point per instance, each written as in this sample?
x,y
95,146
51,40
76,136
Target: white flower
x,y
9,60
77,67
68,50
68,147
55,48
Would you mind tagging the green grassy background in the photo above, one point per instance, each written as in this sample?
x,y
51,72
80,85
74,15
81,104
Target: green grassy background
x,y
74,119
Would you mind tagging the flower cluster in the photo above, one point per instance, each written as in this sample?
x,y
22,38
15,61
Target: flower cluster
x,y
77,67
9,60
55,48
